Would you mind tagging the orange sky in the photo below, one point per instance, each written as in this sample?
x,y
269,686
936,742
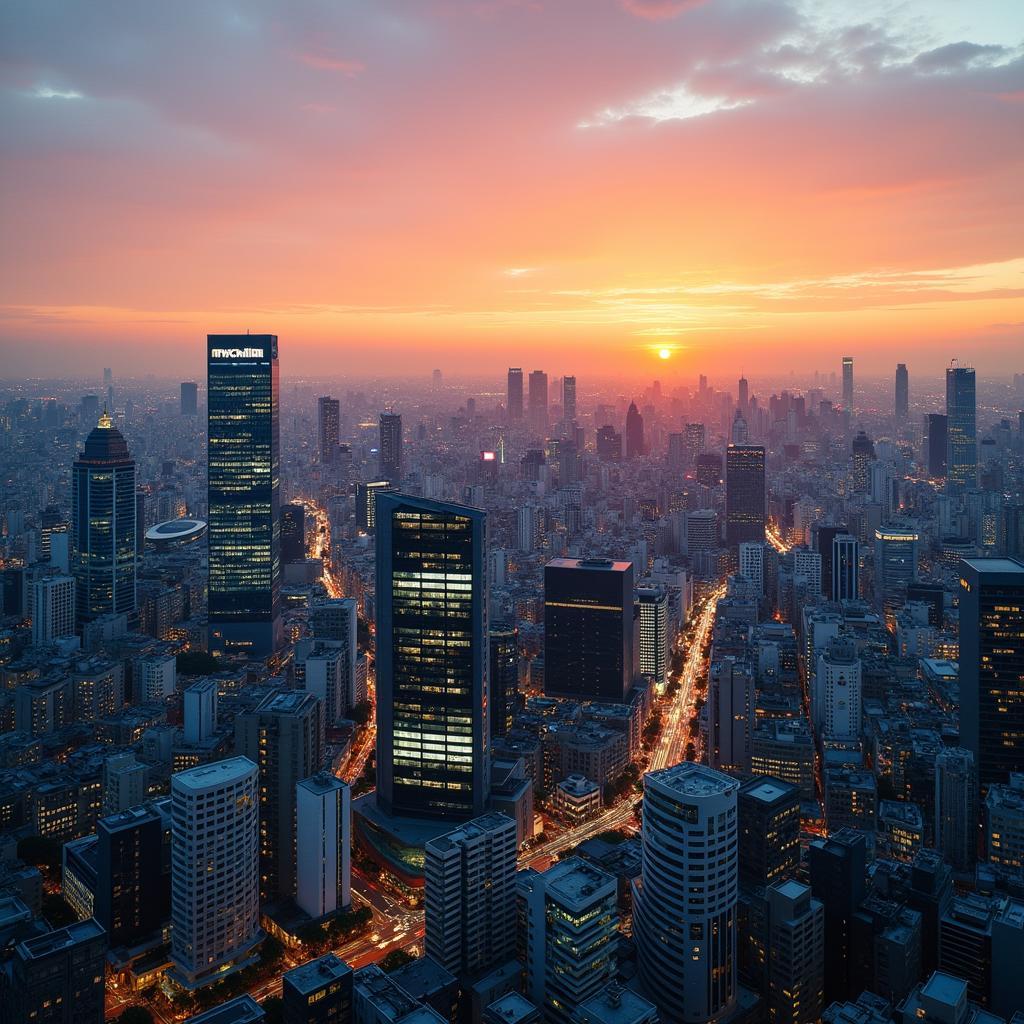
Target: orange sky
x,y
391,186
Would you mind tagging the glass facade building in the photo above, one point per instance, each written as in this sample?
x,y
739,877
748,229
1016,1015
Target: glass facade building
x,y
243,438
744,494
961,428
432,658
390,451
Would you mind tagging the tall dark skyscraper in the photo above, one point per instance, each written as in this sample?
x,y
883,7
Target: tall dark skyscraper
x,y
189,398
588,628
863,454
743,395
744,494
694,442
539,401
569,399
432,658
328,427
635,446
937,434
992,666
844,577
848,384
902,406
504,675
293,534
243,438
962,437
390,450
609,444
103,526
514,403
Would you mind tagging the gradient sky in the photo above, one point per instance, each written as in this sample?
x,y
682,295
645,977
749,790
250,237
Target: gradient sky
x,y
391,186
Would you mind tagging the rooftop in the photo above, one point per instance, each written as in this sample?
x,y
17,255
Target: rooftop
x,y
693,780
323,782
593,564
474,829
945,988
312,976
61,938
218,773
575,881
511,1009
769,790
993,565
240,1010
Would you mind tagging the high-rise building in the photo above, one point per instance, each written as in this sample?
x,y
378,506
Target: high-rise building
x,y
807,567
768,811
685,930
694,442
743,395
796,954
538,401
845,568
323,845
103,527
366,503
863,454
432,658
284,737
895,564
744,494
956,807
992,666
244,516
318,991
570,928
731,708
57,977
836,698
504,675
902,404
200,711
390,452
701,530
1004,825
293,533
215,871
936,441
189,398
652,605
588,628
709,469
569,399
514,403
609,444
961,428
53,608
328,428
752,564
848,384
470,896
635,444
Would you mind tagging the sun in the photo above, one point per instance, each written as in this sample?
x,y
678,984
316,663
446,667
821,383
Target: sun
x,y
664,353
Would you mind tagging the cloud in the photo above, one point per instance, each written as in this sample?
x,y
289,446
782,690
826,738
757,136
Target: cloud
x,y
44,92
956,56
348,68
660,10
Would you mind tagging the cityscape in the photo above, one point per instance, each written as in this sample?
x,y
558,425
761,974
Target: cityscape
x,y
411,614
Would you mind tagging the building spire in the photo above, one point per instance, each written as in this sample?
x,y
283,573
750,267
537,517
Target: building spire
x,y
105,421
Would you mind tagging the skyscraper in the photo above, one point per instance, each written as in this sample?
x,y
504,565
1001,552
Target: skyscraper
x,y
569,399
848,384
902,405
390,452
328,427
863,453
751,563
293,533
768,811
652,604
895,564
323,845
992,666
189,398
432,658
837,695
609,444
53,608
514,403
504,675
685,932
215,872
731,706
743,395
539,401
244,536
956,807
103,527
845,568
962,438
284,737
470,896
635,444
694,442
937,440
588,628
744,494
796,954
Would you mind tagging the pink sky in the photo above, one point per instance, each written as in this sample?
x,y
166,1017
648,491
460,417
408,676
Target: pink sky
x,y
397,185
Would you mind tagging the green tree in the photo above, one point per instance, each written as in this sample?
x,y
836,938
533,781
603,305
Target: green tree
x,y
395,959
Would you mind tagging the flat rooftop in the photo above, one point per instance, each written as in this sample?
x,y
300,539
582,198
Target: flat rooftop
x,y
217,773
285,702
312,976
240,1010
471,830
323,782
52,942
575,880
511,1008
1004,565
691,779
769,790
944,988
592,564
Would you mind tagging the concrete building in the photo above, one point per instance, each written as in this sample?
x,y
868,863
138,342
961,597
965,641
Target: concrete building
x,y
323,845
318,992
53,609
796,954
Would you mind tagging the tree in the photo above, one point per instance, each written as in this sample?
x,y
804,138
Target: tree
x,y
135,1015
271,951
395,959
360,713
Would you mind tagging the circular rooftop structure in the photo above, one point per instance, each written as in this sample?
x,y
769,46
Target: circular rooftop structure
x,y
175,533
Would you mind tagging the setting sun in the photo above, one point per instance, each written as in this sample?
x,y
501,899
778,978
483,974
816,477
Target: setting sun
x,y
664,353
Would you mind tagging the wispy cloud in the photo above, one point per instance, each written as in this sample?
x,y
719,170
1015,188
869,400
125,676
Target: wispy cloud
x,y
46,92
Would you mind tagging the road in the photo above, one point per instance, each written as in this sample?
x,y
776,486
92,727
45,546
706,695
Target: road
x,y
775,538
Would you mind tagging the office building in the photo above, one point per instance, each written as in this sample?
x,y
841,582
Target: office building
x,y
470,896
744,494
103,525
200,711
752,564
902,401
807,567
366,503
1004,826
432,658
244,508
323,845
768,814
189,398
538,402
390,454
569,924
796,954
961,429
851,798
848,384
837,691
293,534
701,530
956,807
731,707
588,628
609,444
284,737
992,666
895,565
317,992
936,441
686,947
514,402
57,977
844,570
693,443
615,1004
328,415
124,782
863,455
215,881
569,400
635,443
652,607
53,608
504,675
